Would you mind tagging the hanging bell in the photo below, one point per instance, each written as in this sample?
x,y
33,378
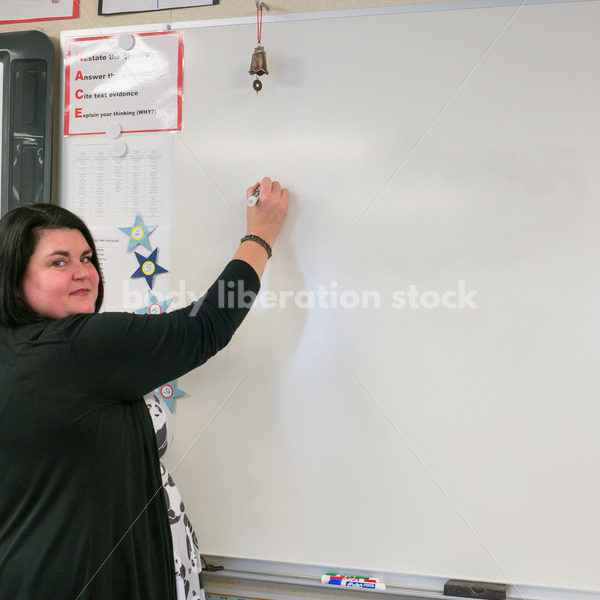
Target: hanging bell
x,y
258,66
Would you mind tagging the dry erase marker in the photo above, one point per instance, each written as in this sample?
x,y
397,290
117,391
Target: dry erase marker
x,y
252,200
344,581
353,577
333,579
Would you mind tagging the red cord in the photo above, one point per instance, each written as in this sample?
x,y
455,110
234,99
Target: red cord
x,y
259,24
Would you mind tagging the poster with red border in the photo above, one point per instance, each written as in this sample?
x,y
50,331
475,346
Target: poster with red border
x,y
126,83
25,11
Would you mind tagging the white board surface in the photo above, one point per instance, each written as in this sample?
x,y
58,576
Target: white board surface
x,y
434,150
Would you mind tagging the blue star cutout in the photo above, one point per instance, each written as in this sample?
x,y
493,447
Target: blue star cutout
x,y
154,307
138,234
148,267
168,392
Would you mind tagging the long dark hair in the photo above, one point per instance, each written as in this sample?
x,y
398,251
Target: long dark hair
x,y
18,238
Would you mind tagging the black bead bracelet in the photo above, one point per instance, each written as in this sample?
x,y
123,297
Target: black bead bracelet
x,y
258,240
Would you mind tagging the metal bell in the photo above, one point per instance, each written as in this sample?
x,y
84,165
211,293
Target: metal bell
x,y
258,66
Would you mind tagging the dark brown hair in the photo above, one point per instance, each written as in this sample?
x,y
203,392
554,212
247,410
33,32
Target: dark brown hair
x,y
18,238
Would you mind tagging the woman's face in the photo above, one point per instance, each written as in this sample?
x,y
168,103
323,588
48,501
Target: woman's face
x,y
61,279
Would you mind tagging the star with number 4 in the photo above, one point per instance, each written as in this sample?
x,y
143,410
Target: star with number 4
x,y
148,267
138,234
154,307
168,392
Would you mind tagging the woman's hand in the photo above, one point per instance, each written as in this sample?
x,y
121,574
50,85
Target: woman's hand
x,y
266,217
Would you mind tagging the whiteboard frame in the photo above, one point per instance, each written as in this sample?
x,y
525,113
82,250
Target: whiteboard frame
x,y
411,586
330,14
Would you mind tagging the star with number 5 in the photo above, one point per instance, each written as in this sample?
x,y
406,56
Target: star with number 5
x,y
148,267
138,234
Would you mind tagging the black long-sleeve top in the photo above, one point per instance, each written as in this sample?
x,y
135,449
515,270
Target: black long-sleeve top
x,y
82,514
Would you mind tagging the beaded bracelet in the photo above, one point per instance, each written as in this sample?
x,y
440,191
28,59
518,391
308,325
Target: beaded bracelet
x,y
258,240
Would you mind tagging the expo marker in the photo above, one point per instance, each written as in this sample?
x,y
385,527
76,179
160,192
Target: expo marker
x,y
354,583
252,200
335,578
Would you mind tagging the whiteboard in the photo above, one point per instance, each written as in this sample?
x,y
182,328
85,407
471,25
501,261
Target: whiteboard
x,y
426,153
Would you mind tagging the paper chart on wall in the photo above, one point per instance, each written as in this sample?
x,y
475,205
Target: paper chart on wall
x,y
108,192
135,89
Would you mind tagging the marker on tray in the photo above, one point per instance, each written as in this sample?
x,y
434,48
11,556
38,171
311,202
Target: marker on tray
x,y
353,582
334,577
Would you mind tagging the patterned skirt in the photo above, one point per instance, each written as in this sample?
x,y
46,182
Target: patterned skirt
x,y
186,555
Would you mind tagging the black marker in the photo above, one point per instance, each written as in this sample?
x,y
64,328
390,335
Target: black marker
x,y
254,198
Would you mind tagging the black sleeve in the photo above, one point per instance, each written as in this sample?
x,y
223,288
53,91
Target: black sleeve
x,y
125,356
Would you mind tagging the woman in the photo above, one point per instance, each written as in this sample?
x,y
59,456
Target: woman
x,y
82,515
